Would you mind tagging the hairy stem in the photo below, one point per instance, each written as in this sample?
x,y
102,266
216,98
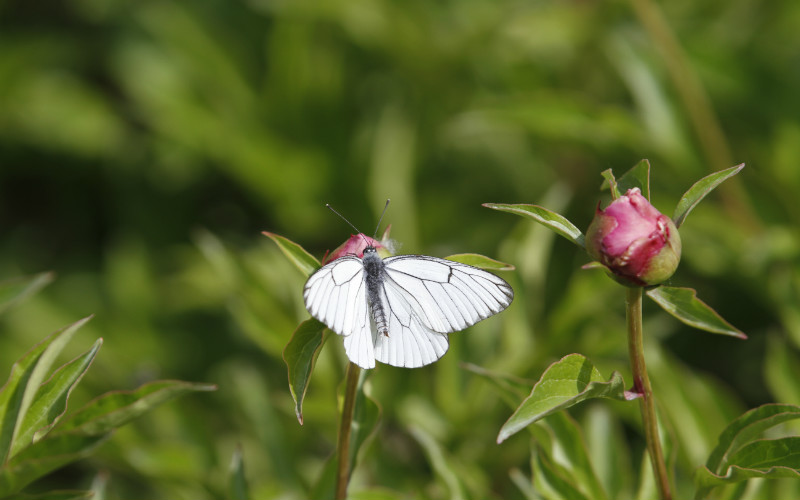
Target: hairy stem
x,y
641,384
345,428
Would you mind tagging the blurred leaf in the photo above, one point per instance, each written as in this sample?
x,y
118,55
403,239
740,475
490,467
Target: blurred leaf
x,y
636,177
303,260
366,415
511,388
116,408
18,289
565,383
300,355
50,401
440,462
553,481
237,482
480,261
737,450
57,495
684,305
552,220
782,371
699,190
27,375
569,450
610,182
45,456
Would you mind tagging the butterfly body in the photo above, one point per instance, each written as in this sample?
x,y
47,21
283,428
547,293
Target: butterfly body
x,y
400,310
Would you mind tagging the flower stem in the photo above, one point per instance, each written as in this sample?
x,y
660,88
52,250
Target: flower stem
x,y
345,428
641,384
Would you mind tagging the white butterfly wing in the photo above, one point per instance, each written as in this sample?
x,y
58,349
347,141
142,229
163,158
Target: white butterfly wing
x,y
448,296
336,295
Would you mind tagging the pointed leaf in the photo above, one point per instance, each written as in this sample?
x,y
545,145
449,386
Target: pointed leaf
x,y
51,399
611,182
27,375
565,383
116,408
699,190
17,289
552,220
684,305
45,456
480,261
304,261
636,177
300,354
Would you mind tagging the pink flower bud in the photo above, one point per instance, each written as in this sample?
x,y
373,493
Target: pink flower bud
x,y
355,245
637,243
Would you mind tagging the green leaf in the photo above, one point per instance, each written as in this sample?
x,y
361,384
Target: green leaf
x,y
237,482
14,290
117,408
684,305
553,480
45,456
480,261
608,175
552,220
50,401
734,451
511,388
699,190
300,354
768,458
565,383
304,261
636,177
27,375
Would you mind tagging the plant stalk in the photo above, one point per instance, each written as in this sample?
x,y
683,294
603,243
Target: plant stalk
x,y
641,384
345,430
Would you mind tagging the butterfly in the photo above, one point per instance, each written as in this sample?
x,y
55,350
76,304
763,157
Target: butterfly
x,y
400,310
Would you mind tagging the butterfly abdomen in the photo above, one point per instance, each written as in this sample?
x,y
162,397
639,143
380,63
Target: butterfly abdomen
x,y
374,271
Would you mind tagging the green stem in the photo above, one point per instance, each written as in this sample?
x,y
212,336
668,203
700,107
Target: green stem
x,y
641,384
345,429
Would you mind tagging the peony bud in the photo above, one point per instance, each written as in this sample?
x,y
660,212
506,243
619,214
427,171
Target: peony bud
x,y
637,243
355,245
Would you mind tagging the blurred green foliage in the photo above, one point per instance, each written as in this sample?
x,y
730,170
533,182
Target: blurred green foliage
x,y
144,145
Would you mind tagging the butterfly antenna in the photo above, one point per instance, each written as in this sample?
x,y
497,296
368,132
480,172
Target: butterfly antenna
x,y
381,219
343,217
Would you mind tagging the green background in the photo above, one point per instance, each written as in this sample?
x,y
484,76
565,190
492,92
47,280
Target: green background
x,y
144,146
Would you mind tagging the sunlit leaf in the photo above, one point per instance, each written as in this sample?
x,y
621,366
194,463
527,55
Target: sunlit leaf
x,y
480,261
17,289
699,190
684,305
116,408
567,382
552,220
50,401
636,177
304,261
27,375
300,355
